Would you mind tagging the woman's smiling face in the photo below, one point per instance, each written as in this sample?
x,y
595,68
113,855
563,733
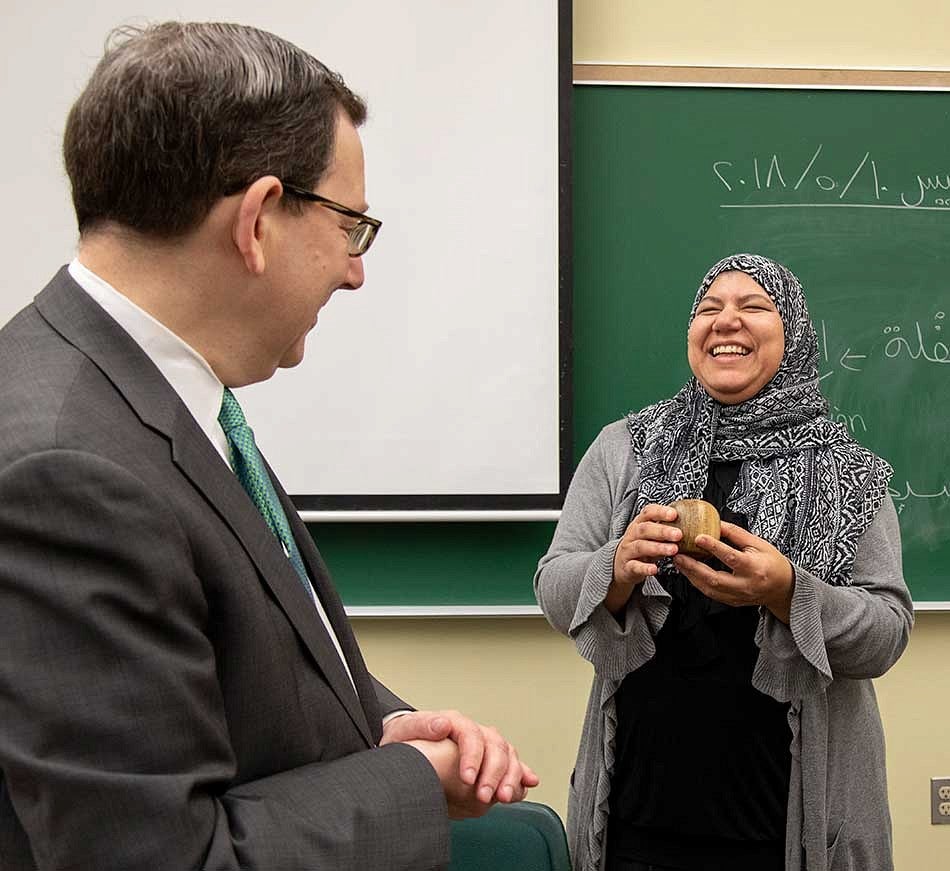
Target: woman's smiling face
x,y
736,340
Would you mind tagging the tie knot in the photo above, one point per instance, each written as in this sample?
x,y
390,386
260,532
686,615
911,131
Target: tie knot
x,y
230,416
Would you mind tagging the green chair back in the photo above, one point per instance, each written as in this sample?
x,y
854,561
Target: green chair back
x,y
526,836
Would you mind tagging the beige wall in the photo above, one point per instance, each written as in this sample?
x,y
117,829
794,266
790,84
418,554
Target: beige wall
x,y
810,33
521,676
517,673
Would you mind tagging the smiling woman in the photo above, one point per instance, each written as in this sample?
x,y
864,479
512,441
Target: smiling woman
x,y
747,668
736,340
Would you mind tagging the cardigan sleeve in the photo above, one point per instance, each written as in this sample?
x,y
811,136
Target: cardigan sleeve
x,y
855,631
574,575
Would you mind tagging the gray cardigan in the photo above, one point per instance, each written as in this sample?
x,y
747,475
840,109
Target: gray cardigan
x,y
839,638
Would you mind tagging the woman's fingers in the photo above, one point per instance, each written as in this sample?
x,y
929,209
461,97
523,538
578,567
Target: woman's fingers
x,y
721,586
727,555
740,537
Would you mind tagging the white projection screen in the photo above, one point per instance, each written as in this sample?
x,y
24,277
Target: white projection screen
x,y
444,382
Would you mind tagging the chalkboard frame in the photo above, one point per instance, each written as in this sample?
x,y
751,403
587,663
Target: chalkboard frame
x,y
645,75
586,73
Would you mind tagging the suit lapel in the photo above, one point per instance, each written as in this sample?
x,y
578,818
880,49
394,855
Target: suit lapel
x,y
83,323
335,611
191,455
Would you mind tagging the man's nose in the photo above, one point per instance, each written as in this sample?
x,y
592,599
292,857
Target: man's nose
x,y
354,275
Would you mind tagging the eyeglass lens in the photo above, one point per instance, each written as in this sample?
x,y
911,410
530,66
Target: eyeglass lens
x,y
361,237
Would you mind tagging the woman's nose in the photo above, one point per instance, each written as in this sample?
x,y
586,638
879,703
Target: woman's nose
x,y
727,320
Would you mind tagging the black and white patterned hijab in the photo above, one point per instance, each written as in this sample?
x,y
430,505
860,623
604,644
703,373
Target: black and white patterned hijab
x,y
806,486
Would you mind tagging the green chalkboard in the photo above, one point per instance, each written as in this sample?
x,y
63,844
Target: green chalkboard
x,y
849,188
456,564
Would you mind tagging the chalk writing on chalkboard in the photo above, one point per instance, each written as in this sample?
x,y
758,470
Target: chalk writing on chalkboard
x,y
861,183
841,357
900,496
915,348
910,344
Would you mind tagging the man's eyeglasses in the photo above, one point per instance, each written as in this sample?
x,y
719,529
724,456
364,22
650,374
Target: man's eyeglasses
x,y
361,236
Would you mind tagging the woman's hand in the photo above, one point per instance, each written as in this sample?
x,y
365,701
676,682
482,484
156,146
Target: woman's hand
x,y
760,574
647,539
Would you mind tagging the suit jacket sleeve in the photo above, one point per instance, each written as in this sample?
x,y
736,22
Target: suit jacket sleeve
x,y
115,746
389,702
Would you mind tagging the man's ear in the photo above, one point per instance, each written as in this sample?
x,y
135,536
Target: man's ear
x,y
251,224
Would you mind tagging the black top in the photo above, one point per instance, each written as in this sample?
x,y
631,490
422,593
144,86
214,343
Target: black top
x,y
702,758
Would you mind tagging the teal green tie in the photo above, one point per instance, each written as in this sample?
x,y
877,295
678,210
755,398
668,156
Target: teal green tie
x,y
249,467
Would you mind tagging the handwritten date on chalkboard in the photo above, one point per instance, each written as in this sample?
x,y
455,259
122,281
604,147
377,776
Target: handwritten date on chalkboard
x,y
860,186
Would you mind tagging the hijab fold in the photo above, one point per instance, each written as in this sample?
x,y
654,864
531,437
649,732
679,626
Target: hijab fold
x,y
805,486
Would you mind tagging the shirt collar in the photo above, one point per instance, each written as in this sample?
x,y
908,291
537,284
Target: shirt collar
x,y
184,368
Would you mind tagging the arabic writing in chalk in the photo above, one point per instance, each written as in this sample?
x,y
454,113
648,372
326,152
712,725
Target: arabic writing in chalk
x,y
900,498
915,347
911,344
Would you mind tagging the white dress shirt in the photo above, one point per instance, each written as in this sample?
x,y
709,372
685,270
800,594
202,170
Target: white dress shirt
x,y
184,369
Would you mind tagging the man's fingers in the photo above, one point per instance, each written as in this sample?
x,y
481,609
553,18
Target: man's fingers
x,y
439,726
518,778
417,725
471,743
483,766
528,778
404,728
434,724
510,788
495,764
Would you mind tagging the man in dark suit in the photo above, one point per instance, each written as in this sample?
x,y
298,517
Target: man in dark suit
x,y
179,687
